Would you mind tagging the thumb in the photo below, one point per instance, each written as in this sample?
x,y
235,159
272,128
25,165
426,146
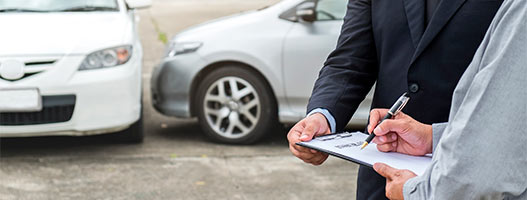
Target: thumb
x,y
384,170
309,131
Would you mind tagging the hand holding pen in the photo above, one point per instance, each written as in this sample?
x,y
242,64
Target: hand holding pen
x,y
401,134
396,108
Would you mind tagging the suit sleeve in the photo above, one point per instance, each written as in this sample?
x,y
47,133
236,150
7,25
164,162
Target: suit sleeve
x,y
351,69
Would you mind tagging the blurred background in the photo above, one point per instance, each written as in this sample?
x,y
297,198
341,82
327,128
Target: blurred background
x,y
198,110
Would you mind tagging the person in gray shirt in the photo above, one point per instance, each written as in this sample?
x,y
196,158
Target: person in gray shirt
x,y
481,153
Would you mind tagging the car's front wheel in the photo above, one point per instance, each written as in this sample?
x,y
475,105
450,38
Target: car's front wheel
x,y
234,105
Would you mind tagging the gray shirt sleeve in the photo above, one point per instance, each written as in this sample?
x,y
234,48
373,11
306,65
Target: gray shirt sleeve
x,y
437,132
482,151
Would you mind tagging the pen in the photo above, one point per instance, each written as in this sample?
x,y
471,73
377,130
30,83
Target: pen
x,y
396,108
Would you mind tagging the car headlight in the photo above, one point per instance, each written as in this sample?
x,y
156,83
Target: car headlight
x,y
107,58
177,48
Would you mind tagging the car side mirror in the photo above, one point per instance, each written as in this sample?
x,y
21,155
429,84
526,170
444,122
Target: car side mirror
x,y
134,4
306,11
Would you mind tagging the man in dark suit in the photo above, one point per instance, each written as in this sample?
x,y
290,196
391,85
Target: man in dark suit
x,y
417,46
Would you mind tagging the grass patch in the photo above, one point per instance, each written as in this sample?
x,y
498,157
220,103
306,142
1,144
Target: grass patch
x,y
161,36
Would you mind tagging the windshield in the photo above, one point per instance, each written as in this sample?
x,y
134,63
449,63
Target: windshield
x,y
57,5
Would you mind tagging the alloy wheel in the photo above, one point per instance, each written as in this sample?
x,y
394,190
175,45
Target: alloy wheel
x,y
232,107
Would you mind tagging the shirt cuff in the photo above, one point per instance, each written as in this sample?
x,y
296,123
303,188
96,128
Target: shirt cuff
x,y
409,188
329,117
437,132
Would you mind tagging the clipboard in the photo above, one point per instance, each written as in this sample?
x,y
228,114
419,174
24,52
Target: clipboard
x,y
346,146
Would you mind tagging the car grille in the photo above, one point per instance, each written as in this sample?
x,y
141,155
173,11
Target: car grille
x,y
55,109
35,65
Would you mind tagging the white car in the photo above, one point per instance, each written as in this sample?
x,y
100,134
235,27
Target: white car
x,y
241,74
70,68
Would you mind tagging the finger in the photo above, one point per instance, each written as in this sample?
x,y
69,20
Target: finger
x,y
294,137
375,116
376,140
380,139
300,154
386,147
313,159
390,137
384,170
322,159
294,146
294,134
318,159
398,126
301,148
294,151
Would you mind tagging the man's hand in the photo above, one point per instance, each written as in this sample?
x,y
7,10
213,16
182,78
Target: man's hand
x,y
395,179
313,125
402,134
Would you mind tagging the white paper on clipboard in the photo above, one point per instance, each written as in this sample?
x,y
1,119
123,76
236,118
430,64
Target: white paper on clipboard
x,y
347,146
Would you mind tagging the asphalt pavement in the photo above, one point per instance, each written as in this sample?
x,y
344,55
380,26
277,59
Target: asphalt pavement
x,y
175,161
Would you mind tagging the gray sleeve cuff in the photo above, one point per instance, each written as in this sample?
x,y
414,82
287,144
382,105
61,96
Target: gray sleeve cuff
x,y
437,132
409,188
331,121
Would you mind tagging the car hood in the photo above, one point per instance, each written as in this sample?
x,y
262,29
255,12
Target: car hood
x,y
61,33
214,27
221,23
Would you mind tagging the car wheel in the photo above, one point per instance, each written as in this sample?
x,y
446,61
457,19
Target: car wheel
x,y
132,134
235,106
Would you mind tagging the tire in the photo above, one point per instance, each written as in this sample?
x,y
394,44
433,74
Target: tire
x,y
133,134
235,106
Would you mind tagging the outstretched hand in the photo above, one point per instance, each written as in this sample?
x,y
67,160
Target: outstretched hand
x,y
305,130
395,179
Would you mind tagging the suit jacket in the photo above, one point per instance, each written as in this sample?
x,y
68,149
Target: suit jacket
x,y
388,42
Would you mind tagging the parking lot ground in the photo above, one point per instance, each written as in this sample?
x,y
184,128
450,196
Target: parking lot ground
x,y
175,161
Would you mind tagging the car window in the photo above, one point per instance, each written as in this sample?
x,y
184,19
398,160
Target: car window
x,y
58,5
331,9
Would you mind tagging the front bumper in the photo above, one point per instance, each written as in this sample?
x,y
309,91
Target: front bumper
x,y
106,100
55,109
171,84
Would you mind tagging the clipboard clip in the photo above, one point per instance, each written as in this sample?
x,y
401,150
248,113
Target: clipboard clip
x,y
334,136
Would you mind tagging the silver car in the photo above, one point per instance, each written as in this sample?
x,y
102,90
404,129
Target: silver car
x,y
242,74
